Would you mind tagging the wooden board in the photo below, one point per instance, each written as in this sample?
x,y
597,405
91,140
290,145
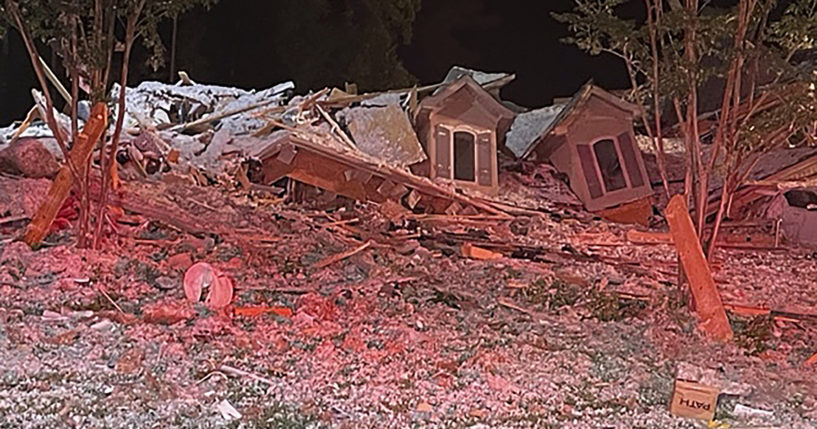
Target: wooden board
x,y
61,187
710,310
694,400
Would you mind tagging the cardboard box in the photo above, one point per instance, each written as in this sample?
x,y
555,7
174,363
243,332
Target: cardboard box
x,y
694,400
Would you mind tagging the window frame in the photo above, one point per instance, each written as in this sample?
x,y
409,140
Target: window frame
x,y
624,171
474,137
474,132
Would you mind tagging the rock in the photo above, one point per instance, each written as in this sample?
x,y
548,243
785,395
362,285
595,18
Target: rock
x,y
165,283
166,314
180,262
30,158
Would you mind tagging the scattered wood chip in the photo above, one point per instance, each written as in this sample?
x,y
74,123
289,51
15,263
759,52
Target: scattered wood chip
x,y
235,372
130,362
166,314
474,252
64,339
258,311
648,237
505,302
341,256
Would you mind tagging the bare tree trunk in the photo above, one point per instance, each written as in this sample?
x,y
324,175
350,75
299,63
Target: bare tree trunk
x,y
655,7
728,122
688,159
726,191
49,104
173,37
108,157
85,197
74,73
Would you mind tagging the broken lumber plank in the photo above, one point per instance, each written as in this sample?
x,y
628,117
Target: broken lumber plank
x,y
648,237
12,219
221,115
341,256
708,303
507,303
474,252
60,188
32,114
746,310
780,315
337,129
241,373
55,81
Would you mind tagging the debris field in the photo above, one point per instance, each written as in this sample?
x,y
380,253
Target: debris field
x,y
241,283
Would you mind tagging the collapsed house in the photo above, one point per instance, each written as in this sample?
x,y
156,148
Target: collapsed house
x,y
590,139
431,149
326,163
780,191
796,210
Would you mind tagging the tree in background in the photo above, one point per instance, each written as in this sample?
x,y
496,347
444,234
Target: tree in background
x,y
676,52
86,34
315,43
320,41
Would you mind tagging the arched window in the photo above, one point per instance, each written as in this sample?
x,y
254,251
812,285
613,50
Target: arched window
x,y
464,156
607,157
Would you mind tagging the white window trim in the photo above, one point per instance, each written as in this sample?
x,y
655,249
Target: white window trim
x,y
621,163
475,133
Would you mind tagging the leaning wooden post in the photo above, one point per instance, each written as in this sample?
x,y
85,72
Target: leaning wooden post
x,y
58,192
711,314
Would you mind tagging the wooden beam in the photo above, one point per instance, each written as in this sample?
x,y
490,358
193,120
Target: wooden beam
x,y
708,305
61,187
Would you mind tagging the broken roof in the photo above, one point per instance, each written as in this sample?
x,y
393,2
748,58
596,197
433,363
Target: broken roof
x,y
487,80
530,126
158,104
465,81
328,147
385,133
479,77
537,124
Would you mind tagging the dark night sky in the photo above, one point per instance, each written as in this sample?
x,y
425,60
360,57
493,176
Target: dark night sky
x,y
512,36
516,36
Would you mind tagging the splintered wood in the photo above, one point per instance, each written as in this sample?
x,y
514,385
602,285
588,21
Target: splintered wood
x,y
341,256
474,252
41,223
708,303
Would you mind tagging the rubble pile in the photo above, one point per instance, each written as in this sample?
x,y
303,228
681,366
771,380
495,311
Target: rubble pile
x,y
275,271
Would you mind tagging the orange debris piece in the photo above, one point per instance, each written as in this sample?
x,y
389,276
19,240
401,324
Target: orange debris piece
x,y
708,303
474,252
58,192
257,311
636,212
